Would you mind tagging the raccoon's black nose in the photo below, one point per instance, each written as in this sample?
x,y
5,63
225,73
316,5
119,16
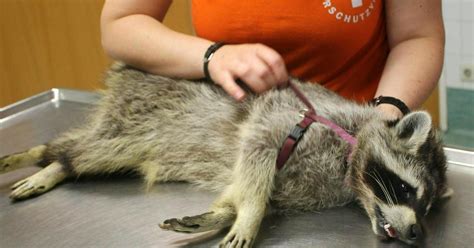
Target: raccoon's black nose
x,y
415,232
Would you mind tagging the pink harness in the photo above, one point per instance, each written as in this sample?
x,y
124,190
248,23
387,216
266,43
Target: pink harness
x,y
298,131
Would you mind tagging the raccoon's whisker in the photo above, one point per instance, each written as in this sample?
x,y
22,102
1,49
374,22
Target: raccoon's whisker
x,y
386,193
382,186
385,188
360,190
378,182
393,191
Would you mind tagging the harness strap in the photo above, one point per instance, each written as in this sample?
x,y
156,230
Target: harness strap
x,y
292,140
298,131
339,131
302,97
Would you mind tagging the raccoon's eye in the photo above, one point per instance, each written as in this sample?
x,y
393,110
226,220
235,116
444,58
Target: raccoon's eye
x,y
404,187
405,190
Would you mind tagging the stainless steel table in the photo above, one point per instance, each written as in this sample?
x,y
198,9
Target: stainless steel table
x,y
116,212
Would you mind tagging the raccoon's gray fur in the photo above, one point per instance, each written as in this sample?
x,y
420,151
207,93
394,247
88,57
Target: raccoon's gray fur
x,y
178,130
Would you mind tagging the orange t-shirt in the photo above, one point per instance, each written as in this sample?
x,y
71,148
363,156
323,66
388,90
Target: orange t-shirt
x,y
340,44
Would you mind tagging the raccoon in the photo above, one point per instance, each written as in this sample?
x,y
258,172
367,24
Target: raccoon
x,y
178,130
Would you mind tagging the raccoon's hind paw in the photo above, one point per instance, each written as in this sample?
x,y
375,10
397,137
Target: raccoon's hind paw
x,y
199,223
39,183
20,160
13,162
178,225
24,189
30,186
4,164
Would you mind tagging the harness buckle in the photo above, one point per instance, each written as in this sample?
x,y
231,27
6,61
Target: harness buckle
x,y
303,111
296,133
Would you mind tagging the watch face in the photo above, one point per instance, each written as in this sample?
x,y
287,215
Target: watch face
x,y
211,50
210,56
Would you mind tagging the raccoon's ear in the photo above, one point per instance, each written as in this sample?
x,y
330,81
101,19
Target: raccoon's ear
x,y
413,129
447,193
443,197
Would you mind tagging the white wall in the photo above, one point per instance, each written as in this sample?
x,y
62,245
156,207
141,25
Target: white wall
x,y
459,25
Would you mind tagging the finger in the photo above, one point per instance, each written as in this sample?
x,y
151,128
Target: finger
x,y
265,73
227,82
275,62
251,73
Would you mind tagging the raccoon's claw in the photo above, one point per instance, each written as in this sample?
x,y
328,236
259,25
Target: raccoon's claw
x,y
236,240
238,237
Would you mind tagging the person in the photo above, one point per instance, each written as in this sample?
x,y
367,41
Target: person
x,y
359,48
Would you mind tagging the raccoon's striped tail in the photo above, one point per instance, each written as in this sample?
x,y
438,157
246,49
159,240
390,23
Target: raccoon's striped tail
x,y
23,159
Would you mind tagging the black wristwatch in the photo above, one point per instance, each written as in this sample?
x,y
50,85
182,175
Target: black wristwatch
x,y
208,56
391,100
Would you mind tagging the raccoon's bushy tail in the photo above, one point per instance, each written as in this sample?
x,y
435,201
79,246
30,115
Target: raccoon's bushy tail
x,y
23,159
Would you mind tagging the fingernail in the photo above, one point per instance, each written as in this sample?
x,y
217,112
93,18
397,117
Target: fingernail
x,y
239,95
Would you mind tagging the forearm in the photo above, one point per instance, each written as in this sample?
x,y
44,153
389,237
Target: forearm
x,y
144,42
412,71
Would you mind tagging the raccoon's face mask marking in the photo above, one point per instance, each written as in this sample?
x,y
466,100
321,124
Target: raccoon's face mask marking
x,y
388,187
401,174
394,203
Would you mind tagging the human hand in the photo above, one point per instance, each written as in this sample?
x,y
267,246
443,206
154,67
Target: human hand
x,y
258,66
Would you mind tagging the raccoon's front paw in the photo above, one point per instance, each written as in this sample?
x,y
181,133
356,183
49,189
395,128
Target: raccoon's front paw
x,y
34,185
238,238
